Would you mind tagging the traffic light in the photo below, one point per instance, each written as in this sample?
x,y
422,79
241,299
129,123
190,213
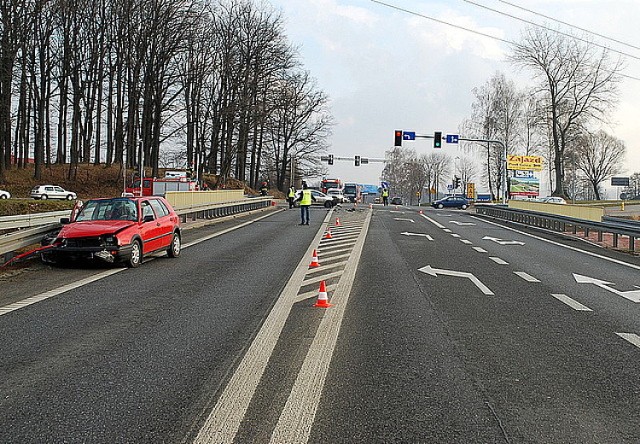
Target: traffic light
x,y
357,159
398,138
330,161
437,139
456,182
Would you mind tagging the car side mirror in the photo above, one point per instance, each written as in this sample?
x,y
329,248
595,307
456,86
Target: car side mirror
x,y
65,220
148,218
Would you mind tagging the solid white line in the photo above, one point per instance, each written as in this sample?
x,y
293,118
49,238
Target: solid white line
x,y
631,337
51,293
480,249
570,302
296,419
526,276
223,422
225,231
569,247
499,261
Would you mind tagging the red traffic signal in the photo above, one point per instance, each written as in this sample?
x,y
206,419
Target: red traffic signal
x,y
398,138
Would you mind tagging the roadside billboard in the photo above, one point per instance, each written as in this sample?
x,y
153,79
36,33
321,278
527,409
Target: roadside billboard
x,y
524,186
519,162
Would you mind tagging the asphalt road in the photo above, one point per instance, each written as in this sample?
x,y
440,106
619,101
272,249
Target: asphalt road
x,y
445,328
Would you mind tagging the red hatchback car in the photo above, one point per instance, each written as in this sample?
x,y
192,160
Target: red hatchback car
x,y
121,229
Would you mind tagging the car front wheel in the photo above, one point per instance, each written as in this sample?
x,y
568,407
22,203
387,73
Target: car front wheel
x,y
327,204
175,247
136,255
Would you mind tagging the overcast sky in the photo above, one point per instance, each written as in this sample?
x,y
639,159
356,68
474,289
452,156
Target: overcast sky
x,y
384,69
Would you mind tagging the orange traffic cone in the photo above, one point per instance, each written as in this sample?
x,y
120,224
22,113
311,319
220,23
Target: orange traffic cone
x,y
327,235
337,221
314,260
323,300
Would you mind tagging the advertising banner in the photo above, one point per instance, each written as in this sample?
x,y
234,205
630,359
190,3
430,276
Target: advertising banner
x,y
519,162
524,186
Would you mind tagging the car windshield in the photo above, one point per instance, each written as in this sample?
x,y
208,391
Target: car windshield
x,y
109,209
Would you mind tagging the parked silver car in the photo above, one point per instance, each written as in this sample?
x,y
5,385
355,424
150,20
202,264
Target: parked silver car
x,y
5,194
52,192
336,194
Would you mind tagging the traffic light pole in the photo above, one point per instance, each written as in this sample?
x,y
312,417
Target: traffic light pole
x,y
504,158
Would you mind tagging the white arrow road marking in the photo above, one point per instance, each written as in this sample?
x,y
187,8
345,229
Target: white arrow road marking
x,y
435,271
499,261
502,242
461,223
527,277
402,218
631,337
406,233
570,302
632,295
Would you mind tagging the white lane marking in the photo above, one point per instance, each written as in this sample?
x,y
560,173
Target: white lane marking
x,y
526,276
55,292
480,249
466,241
437,224
223,422
630,337
296,419
406,233
225,231
570,302
446,230
405,219
498,261
428,269
455,235
569,247
461,223
502,241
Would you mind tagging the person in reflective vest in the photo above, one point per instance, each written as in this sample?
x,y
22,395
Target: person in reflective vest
x,y
305,198
385,196
291,196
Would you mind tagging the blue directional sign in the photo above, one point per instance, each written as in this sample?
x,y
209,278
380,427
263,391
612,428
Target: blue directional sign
x,y
452,138
408,135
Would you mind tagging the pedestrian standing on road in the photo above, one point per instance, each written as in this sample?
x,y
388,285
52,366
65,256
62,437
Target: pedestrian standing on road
x,y
291,196
385,196
305,198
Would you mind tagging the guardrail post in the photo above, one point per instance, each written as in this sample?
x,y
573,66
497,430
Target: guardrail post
x,y
632,243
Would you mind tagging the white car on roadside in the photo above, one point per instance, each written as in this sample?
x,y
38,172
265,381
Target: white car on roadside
x,y
52,192
5,194
336,194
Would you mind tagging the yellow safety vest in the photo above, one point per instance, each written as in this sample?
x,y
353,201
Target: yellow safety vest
x,y
385,193
306,198
292,192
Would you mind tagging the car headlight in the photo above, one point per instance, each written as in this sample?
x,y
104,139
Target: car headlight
x,y
111,240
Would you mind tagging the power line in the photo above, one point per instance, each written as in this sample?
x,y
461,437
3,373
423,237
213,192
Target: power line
x,y
529,22
569,24
473,31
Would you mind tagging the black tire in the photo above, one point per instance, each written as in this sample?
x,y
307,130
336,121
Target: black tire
x,y
69,197
3,197
44,197
176,246
440,206
464,207
327,204
136,255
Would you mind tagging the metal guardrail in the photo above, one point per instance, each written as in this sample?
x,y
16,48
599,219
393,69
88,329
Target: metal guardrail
x,y
25,237
618,228
32,220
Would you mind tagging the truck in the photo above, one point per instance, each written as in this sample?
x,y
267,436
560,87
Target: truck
x,y
159,187
353,192
327,184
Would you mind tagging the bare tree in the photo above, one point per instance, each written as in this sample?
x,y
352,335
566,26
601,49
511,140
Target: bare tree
x,y
576,84
599,157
